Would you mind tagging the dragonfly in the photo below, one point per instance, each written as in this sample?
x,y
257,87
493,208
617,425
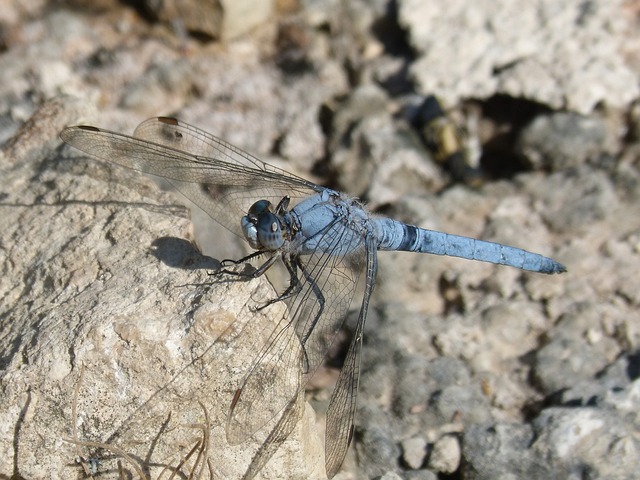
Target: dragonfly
x,y
325,240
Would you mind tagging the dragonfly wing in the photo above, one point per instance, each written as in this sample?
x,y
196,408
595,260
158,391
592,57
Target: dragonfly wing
x,y
299,343
224,181
342,406
177,134
342,409
277,436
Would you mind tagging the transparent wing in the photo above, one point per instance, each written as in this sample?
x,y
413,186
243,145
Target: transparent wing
x,y
221,179
342,406
301,340
278,435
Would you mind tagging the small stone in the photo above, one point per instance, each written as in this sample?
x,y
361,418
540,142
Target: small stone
x,y
446,454
390,476
414,451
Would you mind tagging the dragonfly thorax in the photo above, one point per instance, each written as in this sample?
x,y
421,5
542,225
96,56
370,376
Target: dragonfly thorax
x,y
262,228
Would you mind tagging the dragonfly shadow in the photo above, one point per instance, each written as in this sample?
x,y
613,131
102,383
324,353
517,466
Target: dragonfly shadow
x,y
180,253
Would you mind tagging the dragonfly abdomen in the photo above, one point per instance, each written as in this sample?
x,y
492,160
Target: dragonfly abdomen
x,y
394,235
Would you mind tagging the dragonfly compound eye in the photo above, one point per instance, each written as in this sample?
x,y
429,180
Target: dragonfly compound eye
x,y
250,232
259,207
269,231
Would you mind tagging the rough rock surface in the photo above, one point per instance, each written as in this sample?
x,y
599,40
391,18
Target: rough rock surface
x,y
128,348
217,18
117,346
568,55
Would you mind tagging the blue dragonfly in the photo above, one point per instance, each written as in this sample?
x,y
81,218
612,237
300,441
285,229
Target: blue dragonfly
x,y
325,240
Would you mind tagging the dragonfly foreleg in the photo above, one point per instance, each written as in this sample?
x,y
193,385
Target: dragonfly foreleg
x,y
231,261
251,274
294,284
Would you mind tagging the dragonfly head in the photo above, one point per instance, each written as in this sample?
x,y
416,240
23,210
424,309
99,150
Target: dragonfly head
x,y
262,228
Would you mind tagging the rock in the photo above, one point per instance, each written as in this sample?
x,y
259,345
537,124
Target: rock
x,y
568,440
414,451
474,51
608,386
591,199
240,17
149,91
563,140
445,456
206,17
505,326
390,476
217,18
377,451
418,379
501,451
465,401
117,346
570,356
574,440
38,136
373,158
420,475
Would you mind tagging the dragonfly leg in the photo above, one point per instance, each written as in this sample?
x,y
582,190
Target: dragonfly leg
x,y
230,261
292,264
319,296
247,275
293,288
306,333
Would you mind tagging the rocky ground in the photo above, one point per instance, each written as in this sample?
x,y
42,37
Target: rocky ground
x,y
120,354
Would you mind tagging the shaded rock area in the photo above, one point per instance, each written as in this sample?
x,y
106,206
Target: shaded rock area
x,y
120,353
